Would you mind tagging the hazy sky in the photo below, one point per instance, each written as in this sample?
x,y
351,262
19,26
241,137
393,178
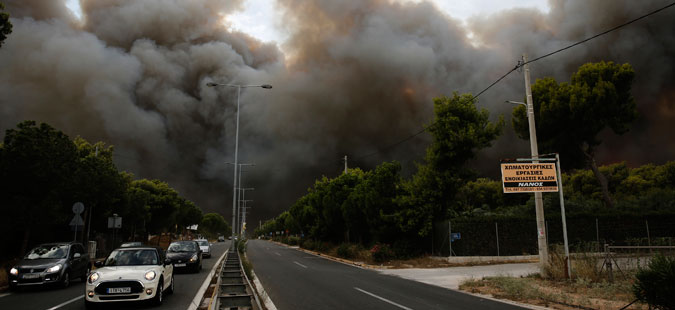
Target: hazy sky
x,y
350,78
260,18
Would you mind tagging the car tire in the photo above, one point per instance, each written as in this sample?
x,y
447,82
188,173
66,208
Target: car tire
x,y
65,279
171,287
159,295
86,274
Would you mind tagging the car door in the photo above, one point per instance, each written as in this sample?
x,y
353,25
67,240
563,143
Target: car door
x,y
76,266
167,269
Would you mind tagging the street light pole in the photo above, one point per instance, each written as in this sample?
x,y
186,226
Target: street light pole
x,y
236,146
243,201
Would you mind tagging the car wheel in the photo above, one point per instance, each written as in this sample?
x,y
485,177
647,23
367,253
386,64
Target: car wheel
x,y
86,274
159,295
170,289
65,279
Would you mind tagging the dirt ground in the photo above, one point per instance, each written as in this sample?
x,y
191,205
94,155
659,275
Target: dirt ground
x,y
577,294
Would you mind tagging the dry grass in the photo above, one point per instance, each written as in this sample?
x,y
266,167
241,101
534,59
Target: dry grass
x,y
579,294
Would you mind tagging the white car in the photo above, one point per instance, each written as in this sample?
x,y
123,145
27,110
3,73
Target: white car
x,y
130,274
205,246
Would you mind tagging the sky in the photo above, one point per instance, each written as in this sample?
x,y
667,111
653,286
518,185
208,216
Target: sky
x,y
261,19
350,78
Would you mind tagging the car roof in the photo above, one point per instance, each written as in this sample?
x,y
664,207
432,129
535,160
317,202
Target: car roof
x,y
184,241
140,247
56,243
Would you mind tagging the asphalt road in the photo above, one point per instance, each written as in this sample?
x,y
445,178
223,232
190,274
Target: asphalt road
x,y
71,298
297,280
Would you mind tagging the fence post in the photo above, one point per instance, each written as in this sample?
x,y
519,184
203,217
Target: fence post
x,y
597,233
497,234
608,262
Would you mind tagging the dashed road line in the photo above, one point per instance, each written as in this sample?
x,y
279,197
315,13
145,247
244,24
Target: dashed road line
x,y
67,302
382,299
301,265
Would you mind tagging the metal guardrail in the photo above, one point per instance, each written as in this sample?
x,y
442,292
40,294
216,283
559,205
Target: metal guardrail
x,y
234,290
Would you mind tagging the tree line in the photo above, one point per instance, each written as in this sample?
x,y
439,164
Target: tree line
x,y
380,206
44,172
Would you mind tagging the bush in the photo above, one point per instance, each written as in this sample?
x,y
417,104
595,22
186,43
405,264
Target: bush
x,y
655,284
241,246
292,240
346,250
308,244
381,253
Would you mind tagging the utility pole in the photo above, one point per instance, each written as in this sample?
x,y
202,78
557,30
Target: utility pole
x,y
243,220
345,163
91,210
538,202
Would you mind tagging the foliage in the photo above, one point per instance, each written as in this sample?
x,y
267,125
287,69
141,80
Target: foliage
x,y
656,283
570,115
381,253
5,24
459,131
213,224
43,173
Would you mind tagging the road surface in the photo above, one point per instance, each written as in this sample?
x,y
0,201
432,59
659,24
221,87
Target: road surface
x,y
295,280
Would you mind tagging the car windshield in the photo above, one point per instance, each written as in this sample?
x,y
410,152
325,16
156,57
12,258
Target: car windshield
x,y
182,247
48,251
132,257
130,244
203,243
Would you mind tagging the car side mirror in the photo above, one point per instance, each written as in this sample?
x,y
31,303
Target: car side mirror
x,y
98,264
167,262
77,255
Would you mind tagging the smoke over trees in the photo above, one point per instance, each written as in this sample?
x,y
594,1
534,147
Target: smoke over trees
x,y
352,78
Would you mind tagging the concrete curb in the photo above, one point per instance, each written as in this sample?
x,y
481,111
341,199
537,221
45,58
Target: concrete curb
x,y
335,259
260,290
195,303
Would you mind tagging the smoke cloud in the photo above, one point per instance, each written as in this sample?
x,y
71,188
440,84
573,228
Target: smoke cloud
x,y
353,77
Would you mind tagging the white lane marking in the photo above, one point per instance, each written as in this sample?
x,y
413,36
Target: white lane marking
x,y
277,253
382,299
5,294
67,302
299,264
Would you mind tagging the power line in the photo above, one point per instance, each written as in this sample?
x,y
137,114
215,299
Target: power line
x,y
520,64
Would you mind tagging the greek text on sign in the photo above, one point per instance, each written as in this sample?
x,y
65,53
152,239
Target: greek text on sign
x,y
528,178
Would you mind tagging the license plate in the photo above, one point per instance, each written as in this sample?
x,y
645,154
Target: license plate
x,y
31,276
119,290
180,265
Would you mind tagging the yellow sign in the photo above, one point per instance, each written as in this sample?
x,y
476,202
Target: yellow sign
x,y
529,178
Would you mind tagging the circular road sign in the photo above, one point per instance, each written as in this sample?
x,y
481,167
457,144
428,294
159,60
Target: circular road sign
x,y
78,207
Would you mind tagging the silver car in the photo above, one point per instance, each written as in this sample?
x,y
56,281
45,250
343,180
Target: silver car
x,y
205,246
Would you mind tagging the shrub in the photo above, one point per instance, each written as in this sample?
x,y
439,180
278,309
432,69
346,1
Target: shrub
x,y
655,284
292,240
345,250
241,246
308,244
381,253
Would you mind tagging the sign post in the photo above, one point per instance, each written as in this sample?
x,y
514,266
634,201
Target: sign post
x,y
543,176
77,220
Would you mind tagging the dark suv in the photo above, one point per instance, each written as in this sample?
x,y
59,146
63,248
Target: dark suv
x,y
51,263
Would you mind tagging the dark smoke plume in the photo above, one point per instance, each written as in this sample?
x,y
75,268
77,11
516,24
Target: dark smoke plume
x,y
353,77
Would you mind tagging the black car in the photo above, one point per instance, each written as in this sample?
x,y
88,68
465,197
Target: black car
x,y
51,263
185,255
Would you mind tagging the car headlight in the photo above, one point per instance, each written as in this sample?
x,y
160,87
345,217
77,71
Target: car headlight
x,y
150,275
14,271
93,277
193,258
54,268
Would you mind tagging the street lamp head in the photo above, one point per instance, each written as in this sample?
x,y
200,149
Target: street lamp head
x,y
211,84
266,86
515,102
